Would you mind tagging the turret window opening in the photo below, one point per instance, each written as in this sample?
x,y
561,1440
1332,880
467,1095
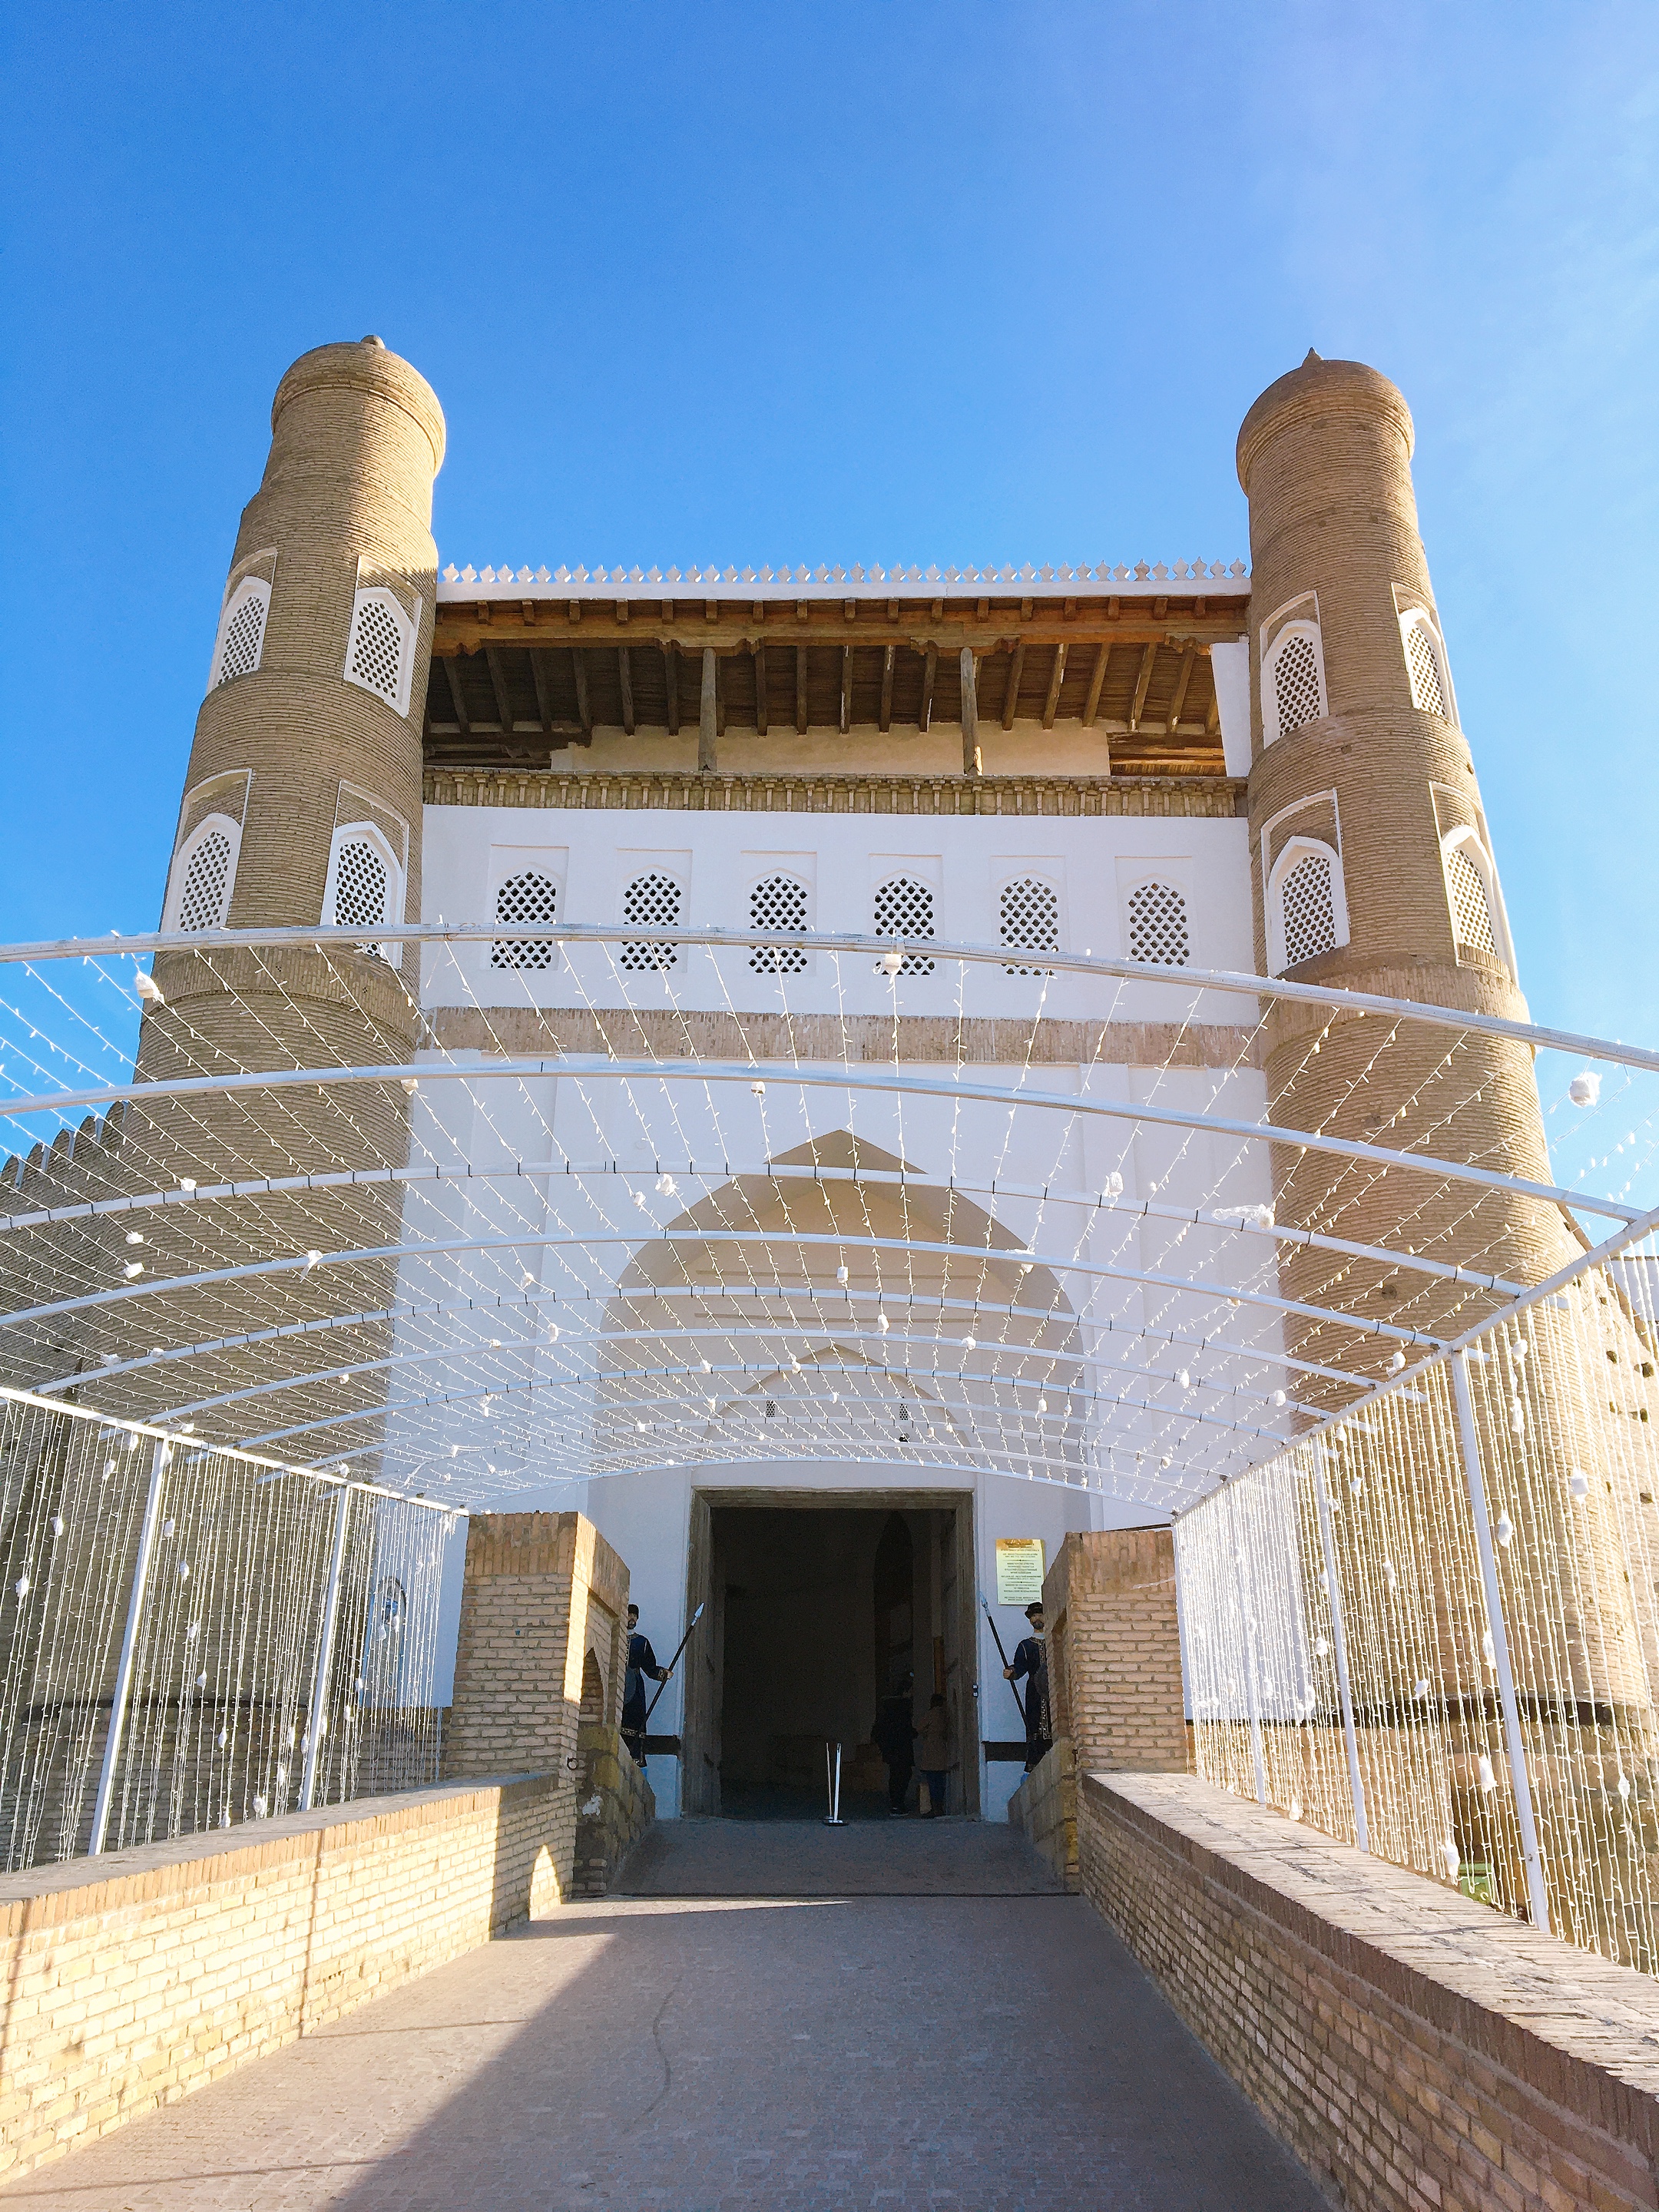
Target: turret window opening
x,y
1425,663
1307,906
241,632
1158,924
203,875
531,898
778,903
1029,917
1297,692
650,902
904,907
379,651
1472,894
365,885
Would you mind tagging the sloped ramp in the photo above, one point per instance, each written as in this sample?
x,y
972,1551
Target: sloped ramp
x,y
705,1857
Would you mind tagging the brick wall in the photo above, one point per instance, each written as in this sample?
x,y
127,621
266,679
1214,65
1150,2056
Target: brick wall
x,y
543,1592
1412,2047
133,1979
1114,1650
1044,1808
618,1805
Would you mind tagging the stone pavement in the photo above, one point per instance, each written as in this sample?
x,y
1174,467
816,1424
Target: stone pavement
x,y
988,2044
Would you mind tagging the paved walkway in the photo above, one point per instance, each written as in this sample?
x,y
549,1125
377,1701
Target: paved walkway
x,y
985,2043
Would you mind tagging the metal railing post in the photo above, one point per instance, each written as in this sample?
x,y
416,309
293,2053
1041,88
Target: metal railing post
x,y
326,1651
118,1711
1338,1637
1537,1896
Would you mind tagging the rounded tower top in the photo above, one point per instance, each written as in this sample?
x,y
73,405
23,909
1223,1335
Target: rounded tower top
x,y
1320,389
367,366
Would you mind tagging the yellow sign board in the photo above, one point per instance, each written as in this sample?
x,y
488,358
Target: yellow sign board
x,y
1019,1570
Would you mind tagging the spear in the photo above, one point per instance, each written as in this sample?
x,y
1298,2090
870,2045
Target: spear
x,y
672,1663
1003,1656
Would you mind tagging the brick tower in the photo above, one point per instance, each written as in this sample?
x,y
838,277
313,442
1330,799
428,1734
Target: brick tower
x,y
1373,869
302,804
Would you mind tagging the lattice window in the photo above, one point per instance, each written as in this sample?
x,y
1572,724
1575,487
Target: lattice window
x,y
377,648
526,898
1309,906
779,903
1029,914
360,886
904,909
1296,690
1428,682
241,640
206,889
652,901
1471,907
1158,924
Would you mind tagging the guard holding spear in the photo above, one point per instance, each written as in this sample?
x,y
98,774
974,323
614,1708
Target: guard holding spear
x,y
642,1668
1030,1664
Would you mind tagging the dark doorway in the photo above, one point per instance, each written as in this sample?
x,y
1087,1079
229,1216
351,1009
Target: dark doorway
x,y
815,1612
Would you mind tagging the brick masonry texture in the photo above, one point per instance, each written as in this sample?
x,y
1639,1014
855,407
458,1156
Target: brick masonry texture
x,y
1114,1650
539,1662
1044,1810
1413,2048
135,1979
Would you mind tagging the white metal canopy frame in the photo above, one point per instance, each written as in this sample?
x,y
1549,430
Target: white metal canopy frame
x,y
817,1209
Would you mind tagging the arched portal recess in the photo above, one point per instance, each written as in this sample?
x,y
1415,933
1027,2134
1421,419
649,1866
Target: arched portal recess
x,y
802,1389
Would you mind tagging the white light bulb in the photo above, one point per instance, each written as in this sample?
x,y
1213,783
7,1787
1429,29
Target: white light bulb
x,y
759,1089
1578,1483
1505,1529
1185,1379
841,1275
970,1344
1278,1398
133,1236
882,1324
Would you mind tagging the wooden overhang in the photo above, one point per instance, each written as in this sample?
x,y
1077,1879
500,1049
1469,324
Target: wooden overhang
x,y
514,679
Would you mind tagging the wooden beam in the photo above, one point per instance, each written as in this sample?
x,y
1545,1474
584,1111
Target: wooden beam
x,y
498,685
1011,689
800,690
538,670
846,689
578,664
1183,678
452,670
626,674
670,671
887,660
760,687
970,757
1056,678
1096,678
1148,655
708,753
929,669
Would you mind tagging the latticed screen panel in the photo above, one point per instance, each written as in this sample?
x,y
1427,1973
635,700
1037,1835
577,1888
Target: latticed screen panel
x,y
1158,924
1428,690
1471,910
779,903
207,883
360,886
526,898
904,909
1295,685
1308,908
1030,914
243,639
376,656
651,902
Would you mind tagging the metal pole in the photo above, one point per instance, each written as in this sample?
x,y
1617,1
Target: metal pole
x,y
326,1651
1338,1637
832,1783
1256,1752
118,1711
1537,1895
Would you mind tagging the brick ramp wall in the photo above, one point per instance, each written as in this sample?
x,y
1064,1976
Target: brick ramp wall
x,y
1411,2047
1044,1809
133,1979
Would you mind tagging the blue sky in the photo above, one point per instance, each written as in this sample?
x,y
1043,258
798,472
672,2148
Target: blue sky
x,y
857,283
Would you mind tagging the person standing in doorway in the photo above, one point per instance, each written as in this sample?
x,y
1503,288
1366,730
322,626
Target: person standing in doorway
x,y
1031,1665
933,1754
894,1735
642,1667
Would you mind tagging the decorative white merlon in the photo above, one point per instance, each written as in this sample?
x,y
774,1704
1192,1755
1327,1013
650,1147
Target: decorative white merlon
x,y
506,581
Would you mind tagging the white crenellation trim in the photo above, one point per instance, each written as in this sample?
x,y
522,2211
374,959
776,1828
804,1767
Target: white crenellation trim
x,y
1140,581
